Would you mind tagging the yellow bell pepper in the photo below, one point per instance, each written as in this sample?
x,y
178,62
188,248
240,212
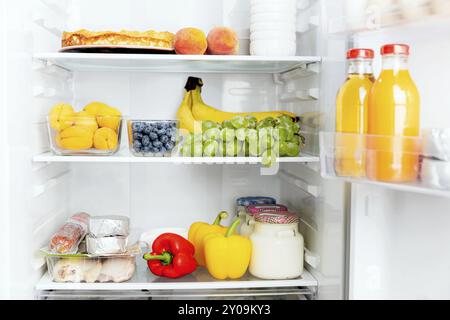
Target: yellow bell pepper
x,y
227,256
199,230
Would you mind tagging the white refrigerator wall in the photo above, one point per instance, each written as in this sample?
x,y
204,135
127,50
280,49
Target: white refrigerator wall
x,y
400,241
42,196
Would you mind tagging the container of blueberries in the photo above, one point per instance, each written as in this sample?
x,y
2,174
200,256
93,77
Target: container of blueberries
x,y
153,138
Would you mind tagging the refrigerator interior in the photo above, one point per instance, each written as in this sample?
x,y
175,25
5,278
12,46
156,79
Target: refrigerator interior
x,y
43,194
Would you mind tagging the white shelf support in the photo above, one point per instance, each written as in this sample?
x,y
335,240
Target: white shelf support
x,y
301,95
300,183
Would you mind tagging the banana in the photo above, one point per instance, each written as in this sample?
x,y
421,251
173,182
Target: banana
x,y
203,112
184,114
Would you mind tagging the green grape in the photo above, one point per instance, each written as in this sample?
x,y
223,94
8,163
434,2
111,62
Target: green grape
x,y
296,127
285,133
295,139
241,134
252,136
227,135
266,123
197,149
284,120
188,139
252,122
231,149
284,149
227,124
239,122
206,125
210,148
246,149
254,150
266,138
186,150
212,134
241,149
293,150
268,158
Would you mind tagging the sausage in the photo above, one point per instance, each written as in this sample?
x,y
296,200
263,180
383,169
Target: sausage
x,y
67,239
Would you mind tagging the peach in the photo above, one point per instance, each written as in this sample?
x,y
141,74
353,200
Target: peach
x,y
190,41
223,41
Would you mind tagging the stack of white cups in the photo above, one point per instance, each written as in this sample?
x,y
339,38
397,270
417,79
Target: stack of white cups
x,y
273,27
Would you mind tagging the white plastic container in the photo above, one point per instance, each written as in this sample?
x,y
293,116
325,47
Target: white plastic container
x,y
278,247
273,27
279,48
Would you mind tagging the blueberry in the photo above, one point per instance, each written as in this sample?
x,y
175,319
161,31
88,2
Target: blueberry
x,y
146,149
161,132
172,125
145,141
153,136
153,150
164,139
163,150
137,136
173,138
169,146
161,125
157,144
147,130
137,127
137,144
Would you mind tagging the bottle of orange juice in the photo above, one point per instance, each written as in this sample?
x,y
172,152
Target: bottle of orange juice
x,y
394,119
351,114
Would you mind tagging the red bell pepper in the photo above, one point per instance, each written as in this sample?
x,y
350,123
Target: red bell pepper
x,y
172,256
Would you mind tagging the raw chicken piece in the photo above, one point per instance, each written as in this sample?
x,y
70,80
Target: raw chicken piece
x,y
117,269
77,270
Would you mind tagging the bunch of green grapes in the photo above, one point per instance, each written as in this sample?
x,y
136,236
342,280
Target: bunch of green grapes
x,y
246,137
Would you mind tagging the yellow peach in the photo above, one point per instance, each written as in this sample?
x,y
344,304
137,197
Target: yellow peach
x,y
190,41
223,41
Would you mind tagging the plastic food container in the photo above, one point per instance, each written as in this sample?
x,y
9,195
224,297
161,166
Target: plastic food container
x,y
153,138
276,235
384,158
83,136
91,269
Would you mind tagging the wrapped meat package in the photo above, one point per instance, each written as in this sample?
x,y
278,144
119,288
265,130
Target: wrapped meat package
x,y
106,245
67,239
91,269
109,226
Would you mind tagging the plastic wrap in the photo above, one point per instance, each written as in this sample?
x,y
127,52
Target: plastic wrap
x,y
91,269
437,143
106,245
109,226
436,174
67,239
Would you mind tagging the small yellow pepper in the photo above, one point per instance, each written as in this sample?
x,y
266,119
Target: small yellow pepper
x,y
199,230
227,256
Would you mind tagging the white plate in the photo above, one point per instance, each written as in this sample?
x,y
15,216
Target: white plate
x,y
116,49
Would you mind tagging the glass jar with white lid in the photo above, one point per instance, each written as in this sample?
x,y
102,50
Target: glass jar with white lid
x,y
278,247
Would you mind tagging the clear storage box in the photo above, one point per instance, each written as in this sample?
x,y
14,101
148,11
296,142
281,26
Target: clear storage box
x,y
153,138
377,158
79,136
78,269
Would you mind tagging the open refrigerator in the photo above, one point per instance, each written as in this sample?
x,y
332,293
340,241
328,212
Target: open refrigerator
x,y
363,240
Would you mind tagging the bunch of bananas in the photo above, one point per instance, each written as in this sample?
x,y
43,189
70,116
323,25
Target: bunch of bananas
x,y
193,110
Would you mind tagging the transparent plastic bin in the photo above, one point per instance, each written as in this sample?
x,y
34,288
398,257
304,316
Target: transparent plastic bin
x,y
394,159
153,138
79,136
79,269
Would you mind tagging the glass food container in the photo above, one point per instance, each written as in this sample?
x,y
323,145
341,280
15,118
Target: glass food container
x,y
153,138
85,135
248,225
278,247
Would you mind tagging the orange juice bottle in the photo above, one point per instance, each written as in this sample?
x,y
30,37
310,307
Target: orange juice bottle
x,y
394,117
351,114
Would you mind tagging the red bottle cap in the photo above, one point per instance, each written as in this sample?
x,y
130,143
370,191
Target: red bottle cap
x,y
402,49
360,54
